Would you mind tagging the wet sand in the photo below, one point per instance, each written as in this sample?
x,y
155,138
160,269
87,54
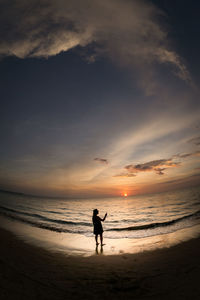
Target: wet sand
x,y
30,272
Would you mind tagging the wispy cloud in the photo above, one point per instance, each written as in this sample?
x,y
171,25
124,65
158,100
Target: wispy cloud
x,y
181,180
101,160
128,32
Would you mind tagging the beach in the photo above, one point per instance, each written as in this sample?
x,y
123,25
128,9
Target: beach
x,y
31,272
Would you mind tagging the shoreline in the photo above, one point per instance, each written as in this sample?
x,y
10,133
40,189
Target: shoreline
x,y
80,245
32,272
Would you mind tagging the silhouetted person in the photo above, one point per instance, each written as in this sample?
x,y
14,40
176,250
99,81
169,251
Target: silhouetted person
x,y
98,229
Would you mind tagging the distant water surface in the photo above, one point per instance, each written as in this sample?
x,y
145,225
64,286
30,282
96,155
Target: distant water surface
x,y
131,217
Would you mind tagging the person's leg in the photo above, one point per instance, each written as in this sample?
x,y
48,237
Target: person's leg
x,y
96,239
101,238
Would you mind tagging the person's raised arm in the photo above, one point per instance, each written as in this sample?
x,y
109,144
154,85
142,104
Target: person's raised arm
x,y
104,217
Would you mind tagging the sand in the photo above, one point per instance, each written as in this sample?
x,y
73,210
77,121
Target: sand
x,y
29,272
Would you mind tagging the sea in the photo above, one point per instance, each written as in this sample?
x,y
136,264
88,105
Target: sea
x,y
129,218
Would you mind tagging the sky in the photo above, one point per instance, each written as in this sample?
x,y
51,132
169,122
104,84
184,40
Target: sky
x,y
99,98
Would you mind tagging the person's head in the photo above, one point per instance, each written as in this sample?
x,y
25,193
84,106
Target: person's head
x,y
95,212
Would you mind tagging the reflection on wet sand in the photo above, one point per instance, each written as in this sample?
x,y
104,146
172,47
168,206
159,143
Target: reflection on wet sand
x,y
99,250
76,244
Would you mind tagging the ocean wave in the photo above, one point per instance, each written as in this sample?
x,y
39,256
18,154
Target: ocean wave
x,y
40,225
51,223
157,224
63,222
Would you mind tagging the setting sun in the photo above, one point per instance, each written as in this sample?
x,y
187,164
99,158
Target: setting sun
x,y
125,194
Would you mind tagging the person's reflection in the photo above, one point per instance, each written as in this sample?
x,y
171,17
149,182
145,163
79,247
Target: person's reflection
x,y
99,252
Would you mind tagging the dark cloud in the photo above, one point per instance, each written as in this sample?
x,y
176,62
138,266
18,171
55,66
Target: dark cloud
x,y
156,165
197,153
125,175
101,160
195,141
159,171
128,32
185,155
182,155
